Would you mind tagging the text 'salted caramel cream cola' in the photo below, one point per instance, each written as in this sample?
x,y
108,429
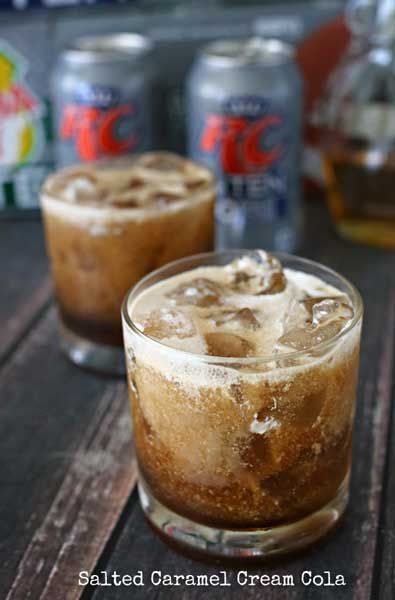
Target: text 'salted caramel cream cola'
x,y
244,105
109,224
242,377
102,98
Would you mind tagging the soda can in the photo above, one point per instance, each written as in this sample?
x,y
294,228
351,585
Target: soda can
x,y
244,121
102,98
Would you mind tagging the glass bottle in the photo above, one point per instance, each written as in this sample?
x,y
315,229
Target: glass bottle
x,y
358,119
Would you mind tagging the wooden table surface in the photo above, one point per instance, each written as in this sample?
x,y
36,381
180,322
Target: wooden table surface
x,y
67,472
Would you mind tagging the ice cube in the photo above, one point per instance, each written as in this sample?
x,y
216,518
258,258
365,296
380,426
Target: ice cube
x,y
244,317
162,199
327,316
160,161
136,183
81,188
198,292
126,199
257,273
329,309
195,183
167,323
228,345
304,338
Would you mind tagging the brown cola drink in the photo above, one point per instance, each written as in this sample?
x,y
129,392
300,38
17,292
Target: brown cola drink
x,y
107,225
242,375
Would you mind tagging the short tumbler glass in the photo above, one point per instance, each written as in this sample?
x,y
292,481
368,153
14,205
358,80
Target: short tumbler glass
x,y
97,251
208,482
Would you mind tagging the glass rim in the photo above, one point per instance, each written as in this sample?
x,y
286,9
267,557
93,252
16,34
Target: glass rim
x,y
352,293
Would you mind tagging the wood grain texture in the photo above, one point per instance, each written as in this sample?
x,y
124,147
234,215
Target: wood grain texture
x,y
384,572
85,509
353,548
66,468
25,284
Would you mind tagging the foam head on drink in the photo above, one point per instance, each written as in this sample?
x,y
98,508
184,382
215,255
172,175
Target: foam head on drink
x,y
242,388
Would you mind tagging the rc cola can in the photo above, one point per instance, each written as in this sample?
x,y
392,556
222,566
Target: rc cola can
x,y
102,94
244,121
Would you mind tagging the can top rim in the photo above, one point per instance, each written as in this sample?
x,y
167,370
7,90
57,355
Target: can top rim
x,y
107,47
248,51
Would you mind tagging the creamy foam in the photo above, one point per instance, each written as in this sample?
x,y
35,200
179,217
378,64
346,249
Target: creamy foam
x,y
259,319
153,180
98,198
273,314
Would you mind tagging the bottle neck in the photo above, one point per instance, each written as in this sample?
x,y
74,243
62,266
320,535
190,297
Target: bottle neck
x,y
372,22
384,23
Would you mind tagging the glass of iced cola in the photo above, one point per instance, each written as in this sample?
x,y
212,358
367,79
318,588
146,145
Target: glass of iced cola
x,y
242,370
107,225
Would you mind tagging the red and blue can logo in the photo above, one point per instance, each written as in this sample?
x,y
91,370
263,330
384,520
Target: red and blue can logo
x,y
246,137
98,123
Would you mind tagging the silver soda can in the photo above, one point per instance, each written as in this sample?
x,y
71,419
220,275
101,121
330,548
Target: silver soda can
x,y
102,98
244,120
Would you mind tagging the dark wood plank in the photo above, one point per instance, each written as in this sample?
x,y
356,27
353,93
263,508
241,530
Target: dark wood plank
x,y
25,285
352,549
385,559
66,467
61,429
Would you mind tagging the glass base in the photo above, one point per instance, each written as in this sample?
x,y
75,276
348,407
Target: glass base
x,y
108,360
200,541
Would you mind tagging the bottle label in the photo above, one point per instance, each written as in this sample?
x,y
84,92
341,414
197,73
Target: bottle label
x,y
23,135
374,121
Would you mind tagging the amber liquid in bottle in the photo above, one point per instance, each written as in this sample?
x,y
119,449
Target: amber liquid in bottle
x,y
361,191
